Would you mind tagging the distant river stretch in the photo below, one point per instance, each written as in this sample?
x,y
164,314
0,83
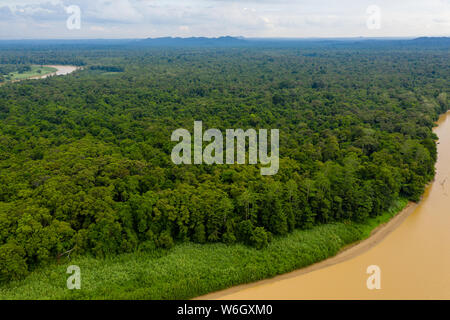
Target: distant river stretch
x,y
62,70
414,259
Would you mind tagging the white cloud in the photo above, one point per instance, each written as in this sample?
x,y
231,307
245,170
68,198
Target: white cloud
x,y
97,28
251,18
117,10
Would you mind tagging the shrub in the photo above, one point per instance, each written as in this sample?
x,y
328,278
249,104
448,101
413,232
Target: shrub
x,y
260,238
12,262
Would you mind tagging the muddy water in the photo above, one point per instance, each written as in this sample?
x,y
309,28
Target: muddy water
x,y
414,259
62,70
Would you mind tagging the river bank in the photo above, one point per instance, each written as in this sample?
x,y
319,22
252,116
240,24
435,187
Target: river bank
x,y
48,71
348,252
412,251
189,270
60,71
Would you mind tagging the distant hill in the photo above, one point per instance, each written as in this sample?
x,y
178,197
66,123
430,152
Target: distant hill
x,y
435,41
442,43
194,42
432,39
229,41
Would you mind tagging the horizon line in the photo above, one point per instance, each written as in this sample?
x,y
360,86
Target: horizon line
x,y
234,37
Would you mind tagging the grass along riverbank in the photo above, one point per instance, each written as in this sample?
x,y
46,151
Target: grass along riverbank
x,y
36,71
190,270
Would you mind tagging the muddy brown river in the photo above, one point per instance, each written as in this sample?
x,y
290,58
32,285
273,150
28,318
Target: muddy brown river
x,y
413,255
61,71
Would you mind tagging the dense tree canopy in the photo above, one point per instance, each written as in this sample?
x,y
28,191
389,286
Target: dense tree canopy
x,y
85,158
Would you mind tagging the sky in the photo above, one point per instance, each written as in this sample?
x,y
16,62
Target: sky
x,y
95,19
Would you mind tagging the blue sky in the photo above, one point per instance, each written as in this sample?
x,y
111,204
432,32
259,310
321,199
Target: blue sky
x,y
42,19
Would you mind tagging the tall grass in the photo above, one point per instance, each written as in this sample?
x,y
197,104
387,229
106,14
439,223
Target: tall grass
x,y
189,270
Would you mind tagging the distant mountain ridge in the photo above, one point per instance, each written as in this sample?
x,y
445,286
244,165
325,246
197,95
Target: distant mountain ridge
x,y
432,39
229,41
442,43
195,41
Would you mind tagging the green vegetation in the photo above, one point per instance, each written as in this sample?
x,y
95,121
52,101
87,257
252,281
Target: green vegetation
x,y
31,72
85,160
189,270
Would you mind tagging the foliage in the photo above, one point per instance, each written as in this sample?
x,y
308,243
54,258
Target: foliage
x,y
189,270
85,159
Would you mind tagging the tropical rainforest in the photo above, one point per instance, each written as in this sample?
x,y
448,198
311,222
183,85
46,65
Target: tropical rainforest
x,y
85,166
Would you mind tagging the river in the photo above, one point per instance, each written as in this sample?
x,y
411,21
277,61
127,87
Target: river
x,y
61,71
413,255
